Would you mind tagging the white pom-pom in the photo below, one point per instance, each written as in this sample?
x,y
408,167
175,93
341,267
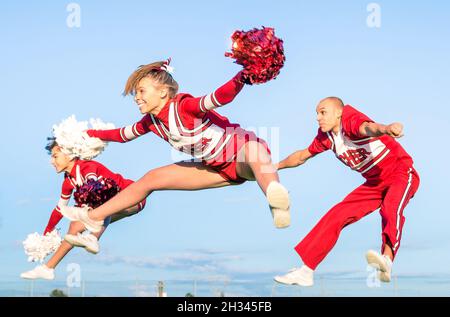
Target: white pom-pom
x,y
74,141
37,247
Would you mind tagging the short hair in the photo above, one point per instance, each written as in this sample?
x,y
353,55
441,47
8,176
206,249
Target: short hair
x,y
155,72
51,144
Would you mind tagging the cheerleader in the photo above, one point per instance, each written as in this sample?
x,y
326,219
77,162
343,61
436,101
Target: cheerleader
x,y
76,173
391,181
223,153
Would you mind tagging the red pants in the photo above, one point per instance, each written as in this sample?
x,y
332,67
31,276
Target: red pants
x,y
392,194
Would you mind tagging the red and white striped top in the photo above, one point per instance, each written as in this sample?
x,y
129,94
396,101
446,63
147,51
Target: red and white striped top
x,y
370,156
190,125
80,173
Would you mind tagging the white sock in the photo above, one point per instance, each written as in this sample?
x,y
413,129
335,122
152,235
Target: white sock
x,y
307,269
388,260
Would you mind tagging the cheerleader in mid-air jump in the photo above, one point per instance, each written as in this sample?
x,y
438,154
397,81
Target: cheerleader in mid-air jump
x,y
224,153
86,178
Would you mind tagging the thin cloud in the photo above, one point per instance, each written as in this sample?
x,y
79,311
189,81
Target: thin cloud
x,y
211,265
200,261
23,202
418,247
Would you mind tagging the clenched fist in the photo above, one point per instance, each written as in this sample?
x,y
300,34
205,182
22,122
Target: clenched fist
x,y
395,130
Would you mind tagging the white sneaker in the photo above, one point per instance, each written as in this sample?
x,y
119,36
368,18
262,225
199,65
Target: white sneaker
x,y
382,263
41,271
278,198
303,276
88,241
81,214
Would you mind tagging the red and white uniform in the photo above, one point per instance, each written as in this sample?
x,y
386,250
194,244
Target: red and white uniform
x,y
191,126
80,173
391,181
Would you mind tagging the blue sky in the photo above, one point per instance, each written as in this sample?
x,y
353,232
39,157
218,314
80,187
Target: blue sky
x,y
398,72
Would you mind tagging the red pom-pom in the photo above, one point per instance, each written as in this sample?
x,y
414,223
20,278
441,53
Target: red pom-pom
x,y
94,193
260,52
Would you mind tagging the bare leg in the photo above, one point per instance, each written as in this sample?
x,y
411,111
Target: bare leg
x,y
124,214
254,163
65,247
77,227
388,251
119,216
179,176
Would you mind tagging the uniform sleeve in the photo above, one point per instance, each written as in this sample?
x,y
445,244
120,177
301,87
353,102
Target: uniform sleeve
x,y
352,121
124,134
320,144
141,205
222,96
56,215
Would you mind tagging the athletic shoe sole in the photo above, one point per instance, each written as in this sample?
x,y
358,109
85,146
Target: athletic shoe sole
x,y
377,261
282,281
74,241
278,198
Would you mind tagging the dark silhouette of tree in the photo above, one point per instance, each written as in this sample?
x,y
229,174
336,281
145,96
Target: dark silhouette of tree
x,y
58,293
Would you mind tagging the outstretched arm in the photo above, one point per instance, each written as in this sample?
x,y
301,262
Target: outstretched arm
x,y
124,134
295,159
222,96
372,129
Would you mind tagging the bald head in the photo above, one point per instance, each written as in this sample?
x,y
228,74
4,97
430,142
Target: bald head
x,y
329,112
332,102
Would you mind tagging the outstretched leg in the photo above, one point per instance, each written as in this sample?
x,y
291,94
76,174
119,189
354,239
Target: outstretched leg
x,y
179,176
322,238
90,241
